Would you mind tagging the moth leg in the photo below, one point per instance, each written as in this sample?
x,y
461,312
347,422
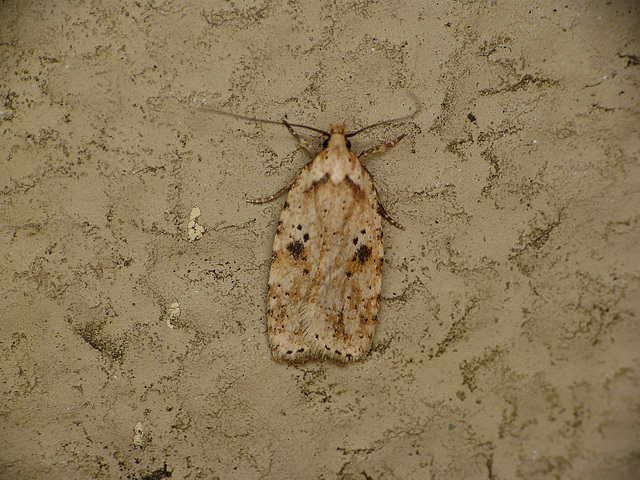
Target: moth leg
x,y
305,146
303,143
275,195
388,217
380,148
381,209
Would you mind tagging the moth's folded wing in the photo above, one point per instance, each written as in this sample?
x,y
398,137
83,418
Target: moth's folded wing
x,y
296,249
345,294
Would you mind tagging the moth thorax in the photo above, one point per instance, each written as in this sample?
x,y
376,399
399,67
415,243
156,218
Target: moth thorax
x,y
337,137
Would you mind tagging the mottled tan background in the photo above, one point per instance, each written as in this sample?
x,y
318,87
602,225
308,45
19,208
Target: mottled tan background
x,y
508,339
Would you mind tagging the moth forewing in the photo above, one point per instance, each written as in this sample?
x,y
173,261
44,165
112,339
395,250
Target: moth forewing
x,y
326,270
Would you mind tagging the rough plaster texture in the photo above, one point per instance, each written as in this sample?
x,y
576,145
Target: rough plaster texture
x,y
507,341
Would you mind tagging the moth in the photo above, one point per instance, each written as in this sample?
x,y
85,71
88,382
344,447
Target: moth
x,y
326,266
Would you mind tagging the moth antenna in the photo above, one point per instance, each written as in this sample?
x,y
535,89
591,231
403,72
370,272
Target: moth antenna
x,y
418,105
257,120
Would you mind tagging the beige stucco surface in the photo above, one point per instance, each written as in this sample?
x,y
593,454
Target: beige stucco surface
x,y
507,340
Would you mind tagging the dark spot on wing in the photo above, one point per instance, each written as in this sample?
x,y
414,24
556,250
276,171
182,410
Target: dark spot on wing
x,y
357,190
299,227
363,231
323,179
296,249
355,241
362,254
305,237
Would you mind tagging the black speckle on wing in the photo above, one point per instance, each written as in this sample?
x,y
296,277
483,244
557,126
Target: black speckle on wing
x,y
296,249
362,254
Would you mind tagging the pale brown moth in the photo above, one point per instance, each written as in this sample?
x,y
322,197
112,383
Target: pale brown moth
x,y
326,268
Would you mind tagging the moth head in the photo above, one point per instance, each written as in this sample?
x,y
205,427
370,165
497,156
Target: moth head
x,y
325,144
337,137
